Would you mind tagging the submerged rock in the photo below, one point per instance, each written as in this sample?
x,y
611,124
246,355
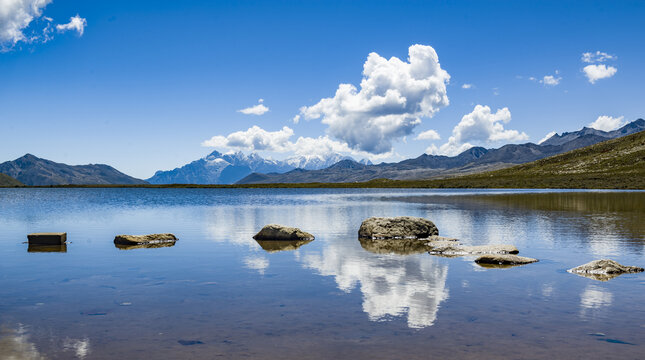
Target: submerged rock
x,y
281,245
402,227
280,232
50,238
604,269
504,259
455,249
144,239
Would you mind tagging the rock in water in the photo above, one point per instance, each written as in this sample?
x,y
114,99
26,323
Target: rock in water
x,y
504,259
604,269
454,249
402,227
47,238
282,233
144,239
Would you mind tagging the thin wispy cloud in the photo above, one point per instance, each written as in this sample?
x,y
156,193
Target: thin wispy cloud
x,y
258,109
76,23
596,57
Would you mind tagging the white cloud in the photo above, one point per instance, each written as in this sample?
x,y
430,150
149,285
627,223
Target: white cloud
x,y
550,80
428,135
479,127
15,17
75,23
393,96
607,123
597,72
547,137
253,139
466,86
258,109
296,119
598,56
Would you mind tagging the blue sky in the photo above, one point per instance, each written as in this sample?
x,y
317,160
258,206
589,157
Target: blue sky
x,y
146,84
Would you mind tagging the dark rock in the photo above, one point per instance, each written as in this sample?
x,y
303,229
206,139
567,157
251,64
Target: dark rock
x,y
402,227
504,259
283,233
47,238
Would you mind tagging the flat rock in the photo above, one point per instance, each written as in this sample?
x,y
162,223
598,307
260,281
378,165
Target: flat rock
x,y
272,246
144,239
282,233
152,245
451,248
604,269
504,259
402,227
49,238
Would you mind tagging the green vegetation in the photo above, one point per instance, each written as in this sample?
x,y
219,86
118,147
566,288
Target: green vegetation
x,y
8,181
612,164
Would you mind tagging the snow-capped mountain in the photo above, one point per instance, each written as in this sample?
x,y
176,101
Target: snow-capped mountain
x,y
218,168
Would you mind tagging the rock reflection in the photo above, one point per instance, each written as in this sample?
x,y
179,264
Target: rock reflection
x,y
32,248
396,246
392,285
14,344
594,298
272,246
145,246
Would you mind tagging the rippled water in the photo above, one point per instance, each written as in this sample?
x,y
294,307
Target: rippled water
x,y
218,293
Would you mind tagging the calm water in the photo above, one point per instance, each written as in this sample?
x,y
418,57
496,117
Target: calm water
x,y
218,294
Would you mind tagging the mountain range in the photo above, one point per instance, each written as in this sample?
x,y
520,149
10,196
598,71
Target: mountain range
x,y
218,168
473,160
34,171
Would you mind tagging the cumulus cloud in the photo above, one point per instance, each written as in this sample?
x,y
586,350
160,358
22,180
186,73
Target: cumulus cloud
x,y
598,56
466,86
15,17
258,109
257,139
479,127
393,96
550,80
597,72
428,135
607,123
76,23
296,119
547,137
253,139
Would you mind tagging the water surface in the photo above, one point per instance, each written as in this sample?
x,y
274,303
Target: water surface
x,y
218,293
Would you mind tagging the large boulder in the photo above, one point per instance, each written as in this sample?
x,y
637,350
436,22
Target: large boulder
x,y
604,269
402,227
504,259
282,233
144,239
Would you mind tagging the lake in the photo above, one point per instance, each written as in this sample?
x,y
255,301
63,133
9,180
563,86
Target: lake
x,y
218,294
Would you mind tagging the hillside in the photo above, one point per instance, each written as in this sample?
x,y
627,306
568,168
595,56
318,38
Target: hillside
x,y
6,180
471,161
613,164
32,170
